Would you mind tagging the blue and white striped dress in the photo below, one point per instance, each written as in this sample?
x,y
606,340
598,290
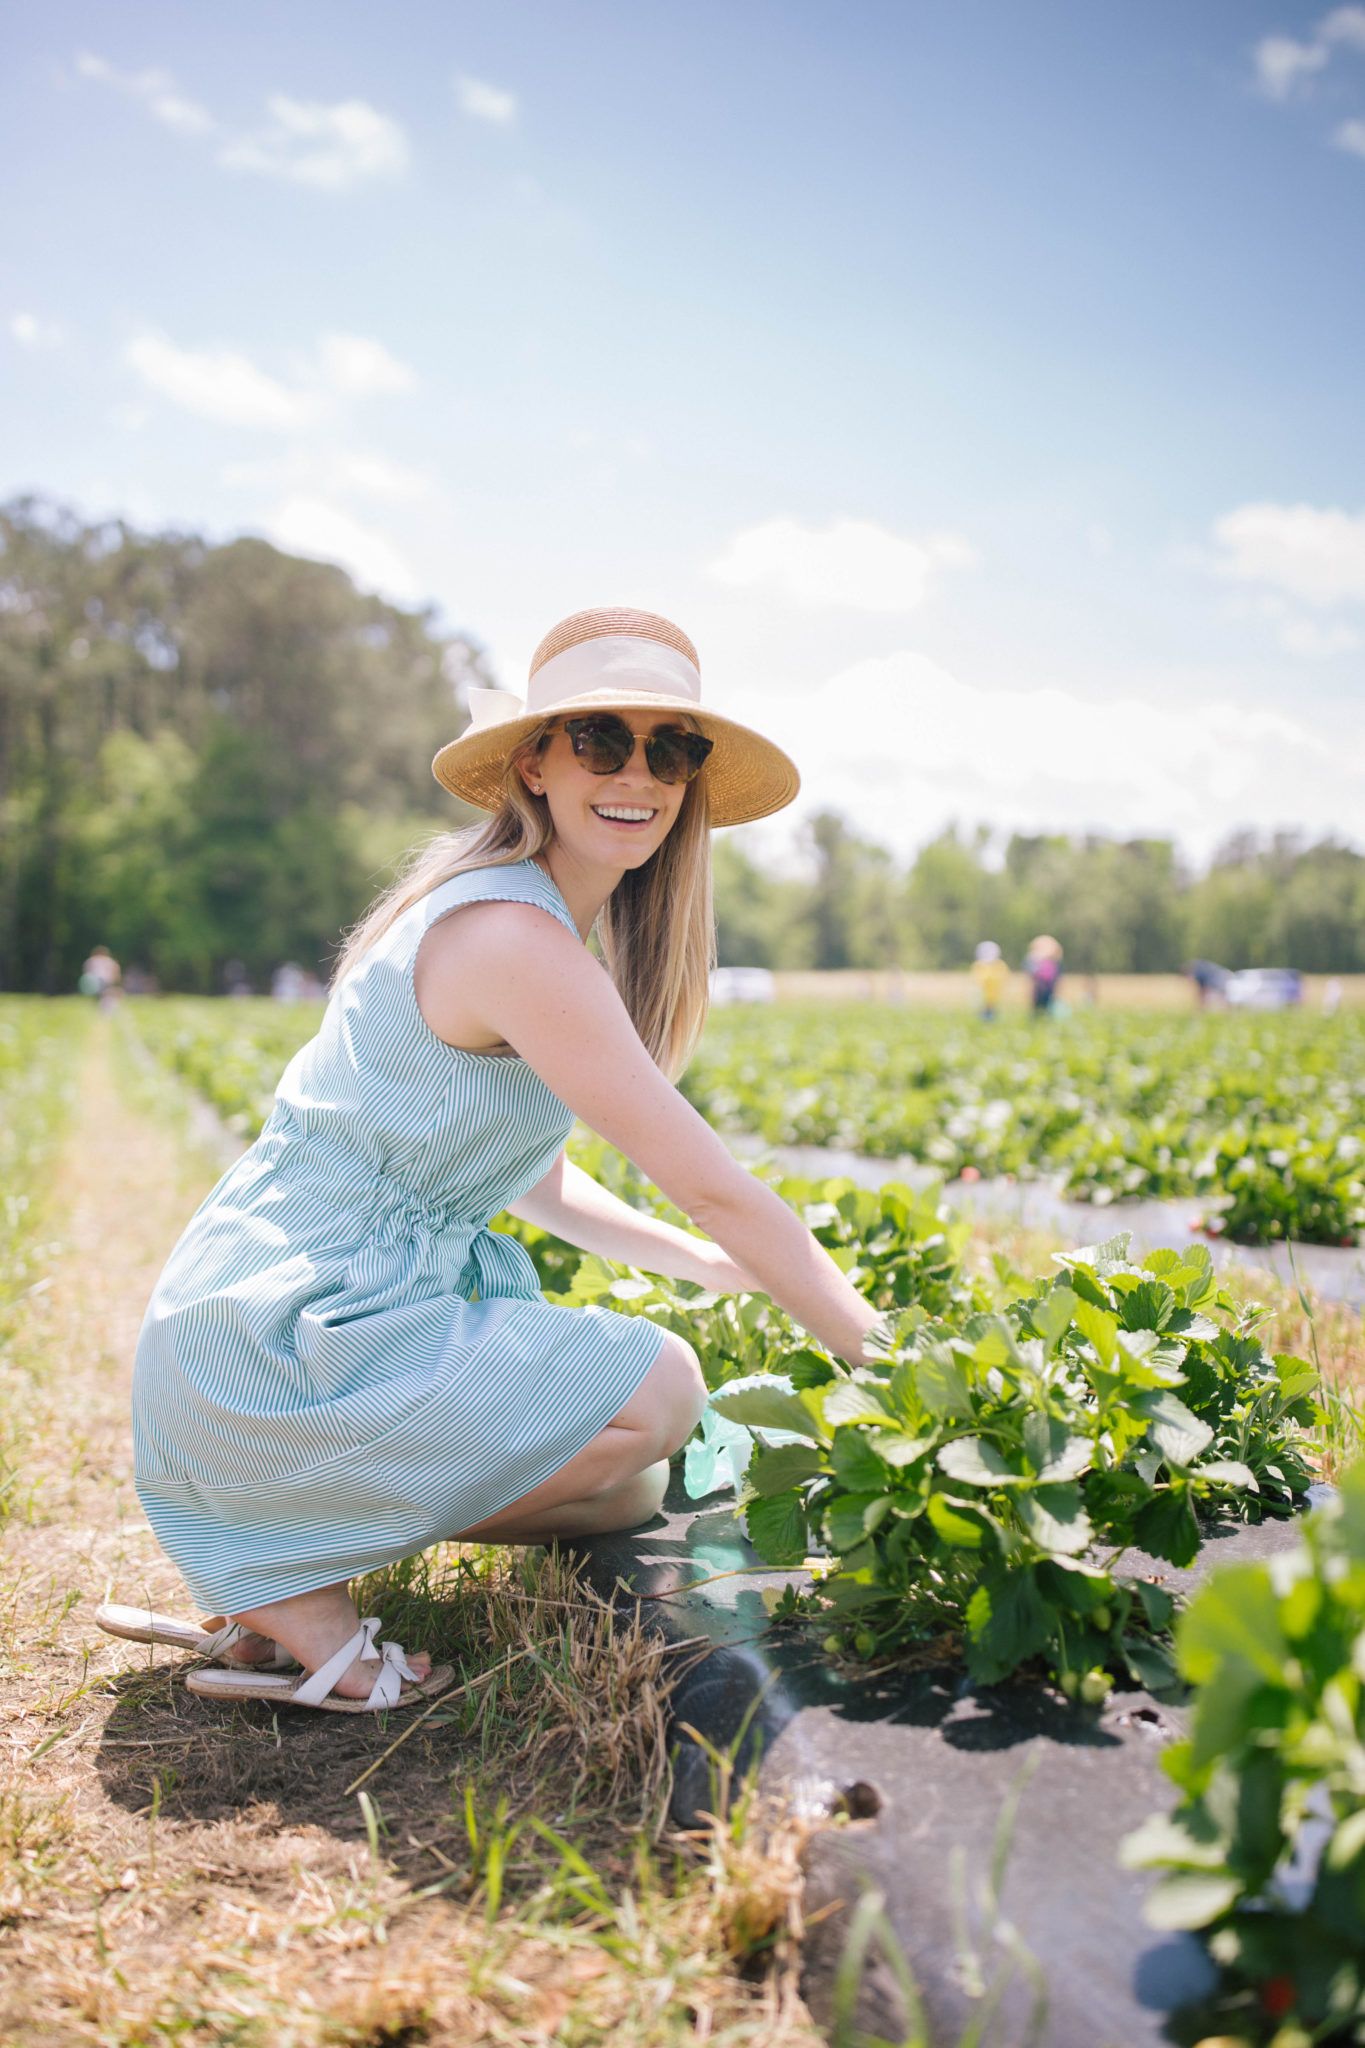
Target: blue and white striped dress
x,y
341,1364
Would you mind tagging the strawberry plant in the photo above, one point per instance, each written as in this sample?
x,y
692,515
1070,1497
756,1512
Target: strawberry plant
x,y
979,1486
1265,1855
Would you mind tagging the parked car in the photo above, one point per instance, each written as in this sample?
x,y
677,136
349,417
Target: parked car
x,y
1264,988
742,985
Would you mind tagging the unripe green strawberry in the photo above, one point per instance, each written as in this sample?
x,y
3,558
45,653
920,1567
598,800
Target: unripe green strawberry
x,y
1096,1686
864,1642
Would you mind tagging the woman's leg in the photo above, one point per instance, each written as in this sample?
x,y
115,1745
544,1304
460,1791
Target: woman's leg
x,y
618,1478
615,1482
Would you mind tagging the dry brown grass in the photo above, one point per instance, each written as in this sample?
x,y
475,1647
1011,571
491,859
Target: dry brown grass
x,y
174,1872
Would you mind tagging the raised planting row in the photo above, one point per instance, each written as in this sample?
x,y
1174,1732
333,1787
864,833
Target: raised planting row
x,y
1261,1115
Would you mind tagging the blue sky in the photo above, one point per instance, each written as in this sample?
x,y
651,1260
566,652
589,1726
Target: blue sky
x,y
979,384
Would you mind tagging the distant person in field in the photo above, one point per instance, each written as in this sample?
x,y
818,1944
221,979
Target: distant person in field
x,y
1209,980
991,976
287,983
342,1364
100,978
1043,966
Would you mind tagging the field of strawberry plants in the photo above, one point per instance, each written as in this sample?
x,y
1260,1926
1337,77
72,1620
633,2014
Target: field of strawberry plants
x,y
232,1053
1010,1485
1260,1116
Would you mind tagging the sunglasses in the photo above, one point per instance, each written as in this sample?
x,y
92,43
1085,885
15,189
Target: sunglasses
x,y
604,744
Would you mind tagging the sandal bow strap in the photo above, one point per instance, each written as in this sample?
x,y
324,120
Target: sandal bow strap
x,y
388,1686
315,1689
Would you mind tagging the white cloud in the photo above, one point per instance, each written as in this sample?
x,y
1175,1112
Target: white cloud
x,y
1351,136
32,333
1281,64
902,747
332,148
219,384
1344,25
157,92
851,563
1284,64
357,366
323,532
222,384
1315,554
483,102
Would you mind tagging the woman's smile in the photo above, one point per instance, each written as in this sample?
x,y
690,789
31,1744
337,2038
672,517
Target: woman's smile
x,y
627,817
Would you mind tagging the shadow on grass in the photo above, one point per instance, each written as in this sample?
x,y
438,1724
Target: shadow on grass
x,y
557,1709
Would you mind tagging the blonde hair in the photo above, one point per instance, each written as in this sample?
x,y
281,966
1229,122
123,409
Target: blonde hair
x,y
656,929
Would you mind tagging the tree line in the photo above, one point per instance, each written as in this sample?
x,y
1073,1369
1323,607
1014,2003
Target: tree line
x,y
1118,906
212,756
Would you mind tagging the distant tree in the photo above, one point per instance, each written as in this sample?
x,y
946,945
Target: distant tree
x,y
199,746
1281,903
755,910
849,916
951,901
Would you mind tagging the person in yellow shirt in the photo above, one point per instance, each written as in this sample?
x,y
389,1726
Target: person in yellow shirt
x,y
990,974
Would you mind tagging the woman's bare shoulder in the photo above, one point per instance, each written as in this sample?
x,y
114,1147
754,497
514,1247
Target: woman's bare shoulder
x,y
470,950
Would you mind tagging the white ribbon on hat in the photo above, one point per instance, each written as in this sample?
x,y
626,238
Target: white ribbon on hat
x,y
620,661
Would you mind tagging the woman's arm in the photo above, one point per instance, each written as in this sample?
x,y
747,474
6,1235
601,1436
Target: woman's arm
x,y
541,991
575,1207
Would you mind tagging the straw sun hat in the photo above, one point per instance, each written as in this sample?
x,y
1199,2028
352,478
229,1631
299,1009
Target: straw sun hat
x,y
614,659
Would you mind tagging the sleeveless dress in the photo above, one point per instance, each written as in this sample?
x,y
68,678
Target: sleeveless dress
x,y
341,1364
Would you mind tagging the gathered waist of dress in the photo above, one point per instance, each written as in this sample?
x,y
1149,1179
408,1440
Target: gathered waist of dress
x,y
346,1182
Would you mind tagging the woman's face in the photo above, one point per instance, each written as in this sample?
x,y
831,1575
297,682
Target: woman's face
x,y
610,821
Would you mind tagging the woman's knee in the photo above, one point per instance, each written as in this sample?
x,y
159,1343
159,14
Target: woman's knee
x,y
670,1399
637,1499
674,1384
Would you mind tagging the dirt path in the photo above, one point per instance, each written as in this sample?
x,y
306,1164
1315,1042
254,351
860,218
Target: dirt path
x,y
170,1870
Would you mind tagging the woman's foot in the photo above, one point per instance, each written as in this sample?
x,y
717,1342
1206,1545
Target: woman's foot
x,y
313,1627
248,1649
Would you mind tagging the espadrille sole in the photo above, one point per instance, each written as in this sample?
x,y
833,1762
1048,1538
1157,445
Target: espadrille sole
x,y
144,1625
278,1691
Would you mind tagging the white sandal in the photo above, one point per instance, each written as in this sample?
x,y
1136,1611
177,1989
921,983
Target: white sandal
x,y
241,1683
143,1625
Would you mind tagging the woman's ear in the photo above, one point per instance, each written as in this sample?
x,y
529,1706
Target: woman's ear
x,y
528,768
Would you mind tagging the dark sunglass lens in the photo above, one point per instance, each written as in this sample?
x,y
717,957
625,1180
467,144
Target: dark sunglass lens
x,y
602,744
676,756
